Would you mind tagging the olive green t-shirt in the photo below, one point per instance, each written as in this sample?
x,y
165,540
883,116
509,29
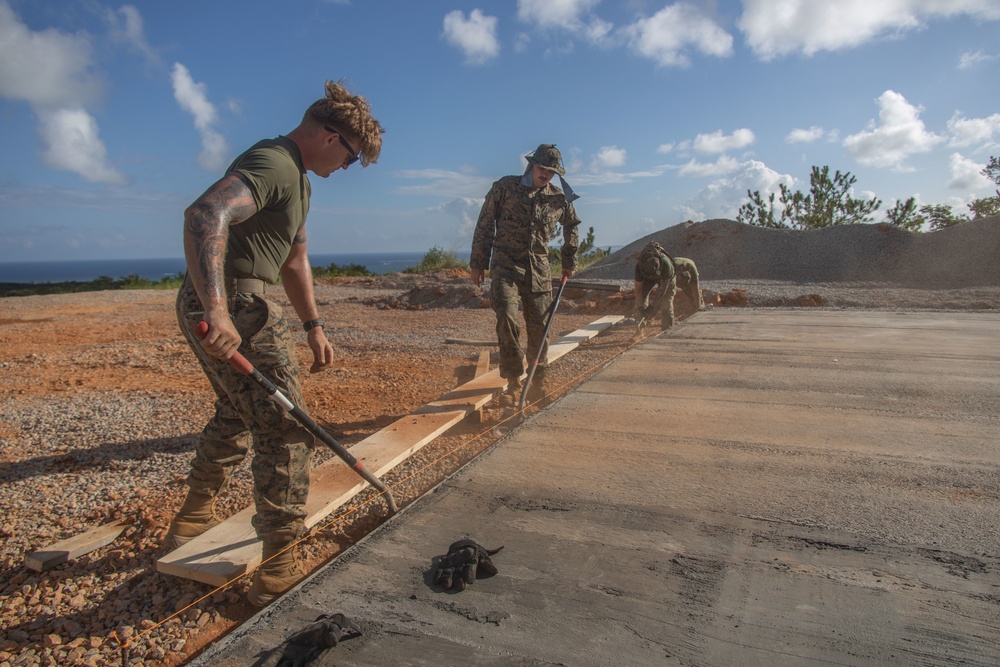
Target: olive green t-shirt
x,y
259,245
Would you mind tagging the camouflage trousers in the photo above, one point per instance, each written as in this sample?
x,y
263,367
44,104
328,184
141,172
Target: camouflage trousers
x,y
689,284
506,294
657,299
245,415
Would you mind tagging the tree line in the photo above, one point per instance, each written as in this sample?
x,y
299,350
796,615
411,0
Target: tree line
x,y
830,202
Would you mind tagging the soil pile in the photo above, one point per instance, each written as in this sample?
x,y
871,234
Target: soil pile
x,y
961,256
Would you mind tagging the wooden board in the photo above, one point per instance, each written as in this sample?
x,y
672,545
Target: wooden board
x,y
232,549
73,547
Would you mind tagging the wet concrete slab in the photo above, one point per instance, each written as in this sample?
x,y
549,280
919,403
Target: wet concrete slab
x,y
754,487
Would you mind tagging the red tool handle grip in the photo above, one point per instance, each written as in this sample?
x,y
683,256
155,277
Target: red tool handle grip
x,y
238,361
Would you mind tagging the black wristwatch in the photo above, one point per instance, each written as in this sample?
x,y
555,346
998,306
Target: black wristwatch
x,y
312,324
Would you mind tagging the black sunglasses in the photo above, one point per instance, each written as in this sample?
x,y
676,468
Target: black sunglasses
x,y
352,157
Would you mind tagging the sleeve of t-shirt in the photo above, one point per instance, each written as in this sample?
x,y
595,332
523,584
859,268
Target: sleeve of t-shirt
x,y
270,176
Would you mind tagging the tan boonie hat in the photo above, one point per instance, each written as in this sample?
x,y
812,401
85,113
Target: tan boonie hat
x,y
548,157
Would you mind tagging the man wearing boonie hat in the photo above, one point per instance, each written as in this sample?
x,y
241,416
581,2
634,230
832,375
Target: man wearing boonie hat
x,y
519,217
654,269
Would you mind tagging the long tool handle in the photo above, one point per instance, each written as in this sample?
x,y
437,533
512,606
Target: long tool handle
x,y
541,347
240,363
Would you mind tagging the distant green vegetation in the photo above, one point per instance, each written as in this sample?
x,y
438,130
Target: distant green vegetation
x,y
438,258
99,284
587,254
830,201
335,271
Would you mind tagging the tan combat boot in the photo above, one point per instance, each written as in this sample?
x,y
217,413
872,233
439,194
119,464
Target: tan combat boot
x,y
195,517
536,392
280,569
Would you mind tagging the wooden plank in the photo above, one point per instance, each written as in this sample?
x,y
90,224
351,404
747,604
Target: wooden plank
x,y
74,547
483,365
477,343
232,549
580,284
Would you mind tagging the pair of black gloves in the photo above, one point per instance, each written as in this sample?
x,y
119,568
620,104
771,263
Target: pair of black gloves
x,y
465,560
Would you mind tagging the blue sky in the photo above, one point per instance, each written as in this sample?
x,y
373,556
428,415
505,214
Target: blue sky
x,y
114,117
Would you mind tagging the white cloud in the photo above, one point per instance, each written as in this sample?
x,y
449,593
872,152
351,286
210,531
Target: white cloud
x,y
775,28
723,165
665,148
717,142
666,36
46,69
800,136
191,97
900,135
972,58
72,143
608,157
476,36
967,174
53,72
127,26
722,198
570,15
983,133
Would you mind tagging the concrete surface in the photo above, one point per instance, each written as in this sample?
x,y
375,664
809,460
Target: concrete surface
x,y
751,488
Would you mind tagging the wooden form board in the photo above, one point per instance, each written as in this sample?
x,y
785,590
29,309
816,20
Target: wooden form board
x,y
73,547
232,549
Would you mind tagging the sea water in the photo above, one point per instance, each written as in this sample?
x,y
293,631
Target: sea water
x,y
156,269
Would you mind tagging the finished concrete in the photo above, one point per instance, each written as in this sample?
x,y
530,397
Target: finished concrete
x,y
752,487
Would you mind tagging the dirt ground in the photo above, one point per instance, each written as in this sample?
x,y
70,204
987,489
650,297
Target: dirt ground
x,y
100,402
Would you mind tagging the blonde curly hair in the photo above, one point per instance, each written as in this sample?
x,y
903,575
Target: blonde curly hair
x,y
353,115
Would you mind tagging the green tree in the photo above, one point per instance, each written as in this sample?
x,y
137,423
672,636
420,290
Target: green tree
x,y
828,203
987,206
587,254
904,214
941,215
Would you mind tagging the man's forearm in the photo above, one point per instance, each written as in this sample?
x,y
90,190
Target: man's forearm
x,y
297,280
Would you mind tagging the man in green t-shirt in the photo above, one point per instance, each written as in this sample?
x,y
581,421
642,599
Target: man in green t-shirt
x,y
243,234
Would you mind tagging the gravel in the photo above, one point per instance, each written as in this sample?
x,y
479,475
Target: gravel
x,y
114,443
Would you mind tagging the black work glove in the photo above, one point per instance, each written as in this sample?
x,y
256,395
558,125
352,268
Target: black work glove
x,y
464,561
301,648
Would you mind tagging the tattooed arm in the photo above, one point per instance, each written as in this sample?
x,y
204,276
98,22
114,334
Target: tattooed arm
x,y
206,231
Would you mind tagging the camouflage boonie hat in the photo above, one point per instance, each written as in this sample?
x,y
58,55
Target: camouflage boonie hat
x,y
548,157
649,267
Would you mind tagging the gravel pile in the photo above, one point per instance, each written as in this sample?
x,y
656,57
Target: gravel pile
x,y
956,257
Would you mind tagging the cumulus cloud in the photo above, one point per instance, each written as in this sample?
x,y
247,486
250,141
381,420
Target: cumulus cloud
x,y
475,36
900,134
571,15
664,148
73,143
667,36
192,97
723,197
800,136
808,27
967,174
53,72
717,142
983,133
723,165
608,157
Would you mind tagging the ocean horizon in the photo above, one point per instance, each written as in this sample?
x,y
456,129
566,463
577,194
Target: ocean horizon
x,y
156,269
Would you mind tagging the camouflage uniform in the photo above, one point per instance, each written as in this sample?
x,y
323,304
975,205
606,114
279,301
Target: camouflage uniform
x,y
655,268
244,413
511,240
687,281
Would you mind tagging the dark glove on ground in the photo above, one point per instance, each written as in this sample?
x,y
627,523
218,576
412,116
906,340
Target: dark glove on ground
x,y
301,648
464,561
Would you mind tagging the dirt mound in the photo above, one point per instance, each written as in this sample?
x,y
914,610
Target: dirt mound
x,y
960,256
